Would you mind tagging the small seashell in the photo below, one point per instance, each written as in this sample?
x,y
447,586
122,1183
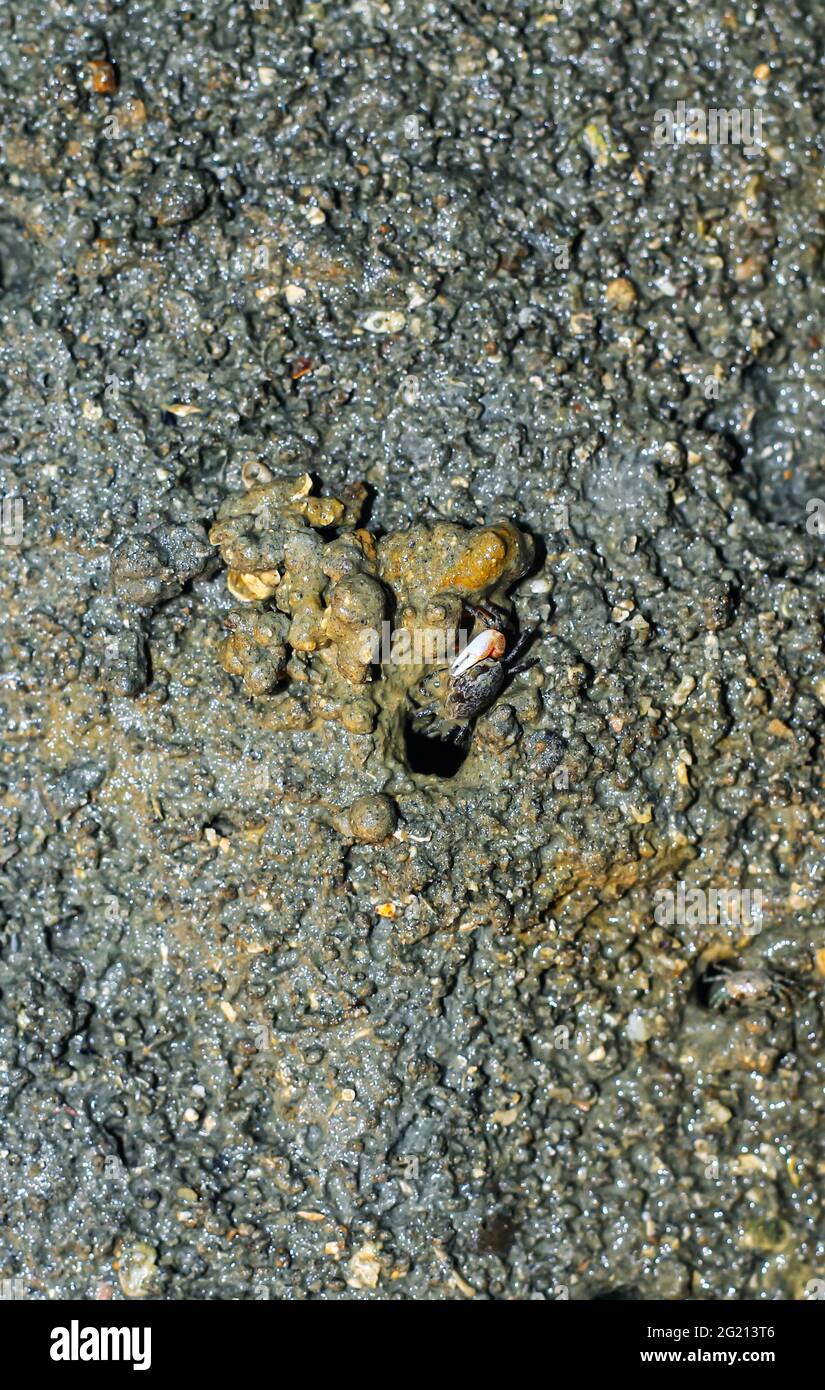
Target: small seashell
x,y
254,473
385,321
251,588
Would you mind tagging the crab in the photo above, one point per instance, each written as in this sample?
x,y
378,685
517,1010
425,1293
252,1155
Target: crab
x,y
746,986
477,676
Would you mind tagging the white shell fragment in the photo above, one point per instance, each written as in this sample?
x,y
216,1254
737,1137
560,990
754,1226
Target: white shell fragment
x,y
385,321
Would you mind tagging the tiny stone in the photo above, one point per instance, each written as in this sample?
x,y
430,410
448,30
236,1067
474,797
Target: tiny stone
x,y
621,293
136,1269
103,76
637,1028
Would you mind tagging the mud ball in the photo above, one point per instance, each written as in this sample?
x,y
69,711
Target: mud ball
x,y
372,818
501,727
176,197
544,751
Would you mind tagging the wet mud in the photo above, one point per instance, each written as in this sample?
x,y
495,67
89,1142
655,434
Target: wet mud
x,y
315,317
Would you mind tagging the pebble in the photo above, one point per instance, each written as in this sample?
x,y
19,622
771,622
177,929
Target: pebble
x,y
638,1029
621,293
137,1269
372,818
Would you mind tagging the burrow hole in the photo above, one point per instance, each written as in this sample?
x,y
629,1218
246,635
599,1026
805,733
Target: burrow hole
x,y
432,757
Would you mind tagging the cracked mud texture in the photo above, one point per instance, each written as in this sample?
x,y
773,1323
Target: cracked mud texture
x,y
245,1052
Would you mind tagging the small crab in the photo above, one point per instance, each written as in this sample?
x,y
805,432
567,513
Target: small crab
x,y
477,675
746,987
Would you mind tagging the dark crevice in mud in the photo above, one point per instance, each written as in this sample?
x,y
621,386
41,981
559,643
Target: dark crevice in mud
x,y
703,990
430,756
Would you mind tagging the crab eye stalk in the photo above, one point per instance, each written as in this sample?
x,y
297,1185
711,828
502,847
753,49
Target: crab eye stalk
x,y
488,644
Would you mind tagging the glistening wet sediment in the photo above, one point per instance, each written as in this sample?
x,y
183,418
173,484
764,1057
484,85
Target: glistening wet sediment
x,y
461,1042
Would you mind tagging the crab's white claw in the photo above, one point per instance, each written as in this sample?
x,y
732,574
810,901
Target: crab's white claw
x,y
490,643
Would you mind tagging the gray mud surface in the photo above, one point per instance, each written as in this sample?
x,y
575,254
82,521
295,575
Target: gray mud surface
x,y
245,1053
